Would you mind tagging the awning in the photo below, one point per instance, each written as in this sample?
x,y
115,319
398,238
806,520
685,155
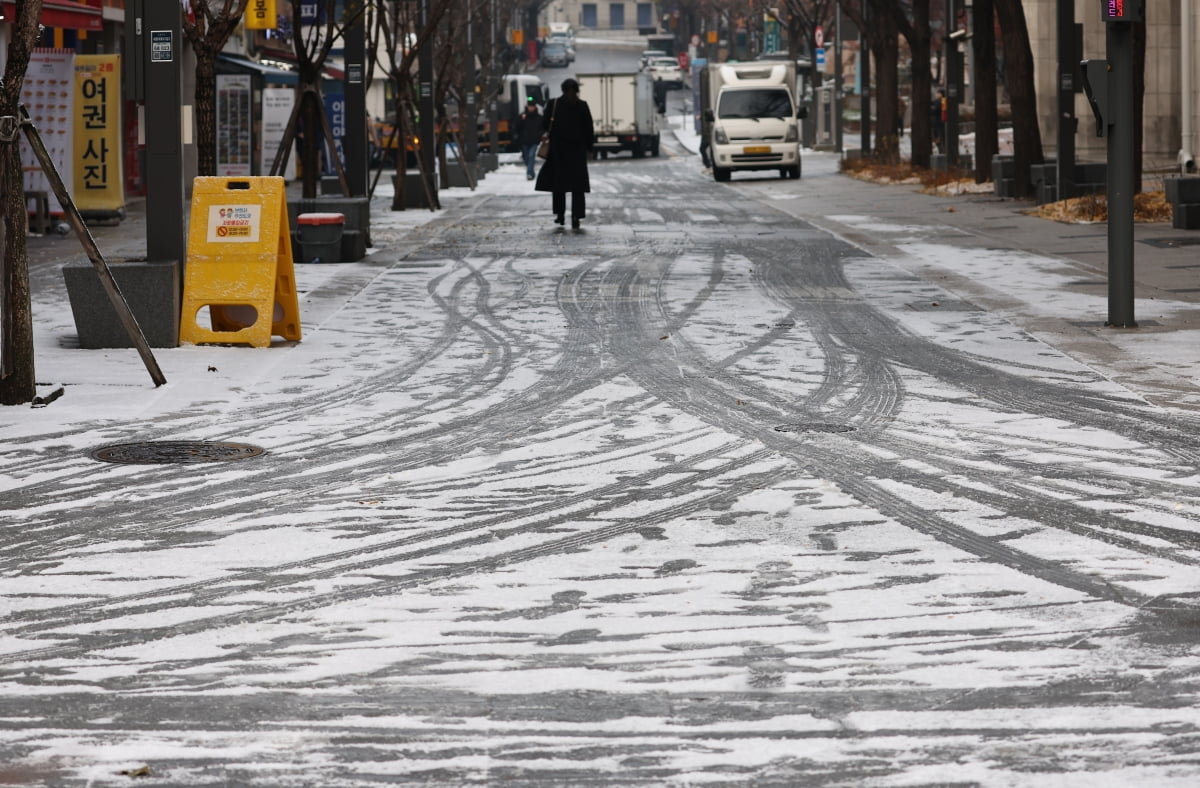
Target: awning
x,y
270,74
64,13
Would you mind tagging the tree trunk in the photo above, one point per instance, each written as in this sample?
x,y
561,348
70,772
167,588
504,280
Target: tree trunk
x,y
206,111
987,136
883,36
312,140
17,380
886,50
1022,93
922,84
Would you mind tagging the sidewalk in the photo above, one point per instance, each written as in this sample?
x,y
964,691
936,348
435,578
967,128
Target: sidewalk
x,y
927,234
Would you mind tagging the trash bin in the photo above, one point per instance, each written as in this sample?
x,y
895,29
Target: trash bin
x,y
321,237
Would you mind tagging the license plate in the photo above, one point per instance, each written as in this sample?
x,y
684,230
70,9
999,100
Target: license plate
x,y
756,149
606,140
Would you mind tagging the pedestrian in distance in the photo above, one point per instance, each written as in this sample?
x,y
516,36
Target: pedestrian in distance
x,y
937,120
529,134
568,128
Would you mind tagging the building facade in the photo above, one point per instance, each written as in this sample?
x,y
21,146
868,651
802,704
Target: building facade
x,y
619,15
1172,78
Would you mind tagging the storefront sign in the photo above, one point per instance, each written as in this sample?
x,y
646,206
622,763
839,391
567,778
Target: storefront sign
x,y
98,182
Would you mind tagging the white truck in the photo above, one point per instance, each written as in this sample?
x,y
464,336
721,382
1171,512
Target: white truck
x,y
623,112
749,114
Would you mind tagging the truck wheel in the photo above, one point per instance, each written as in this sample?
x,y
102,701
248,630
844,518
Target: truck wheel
x,y
783,173
796,173
654,148
638,152
720,174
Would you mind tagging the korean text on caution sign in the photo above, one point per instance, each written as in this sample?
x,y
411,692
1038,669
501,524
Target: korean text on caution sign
x,y
234,223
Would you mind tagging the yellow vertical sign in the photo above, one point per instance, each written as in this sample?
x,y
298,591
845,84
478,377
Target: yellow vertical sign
x,y
260,15
99,174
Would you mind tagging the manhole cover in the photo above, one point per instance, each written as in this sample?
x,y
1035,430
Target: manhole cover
x,y
167,452
814,426
1172,243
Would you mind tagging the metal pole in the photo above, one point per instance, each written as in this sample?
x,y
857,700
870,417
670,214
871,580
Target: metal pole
x,y
1121,173
864,54
355,143
165,220
953,83
837,80
1068,64
425,107
470,112
494,81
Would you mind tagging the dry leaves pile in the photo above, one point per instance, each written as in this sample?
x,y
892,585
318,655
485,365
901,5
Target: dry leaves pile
x,y
1148,206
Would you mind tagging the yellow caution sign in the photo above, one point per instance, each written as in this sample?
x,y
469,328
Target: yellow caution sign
x,y
239,264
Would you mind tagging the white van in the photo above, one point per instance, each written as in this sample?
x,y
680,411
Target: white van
x,y
562,29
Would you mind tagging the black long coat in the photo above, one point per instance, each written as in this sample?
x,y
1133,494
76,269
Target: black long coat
x,y
572,137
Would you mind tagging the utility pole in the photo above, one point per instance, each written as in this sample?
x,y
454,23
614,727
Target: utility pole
x,y
355,142
954,80
837,80
162,36
470,111
1109,86
864,54
1068,66
425,108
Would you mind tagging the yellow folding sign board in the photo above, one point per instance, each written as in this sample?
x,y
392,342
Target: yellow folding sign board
x,y
239,264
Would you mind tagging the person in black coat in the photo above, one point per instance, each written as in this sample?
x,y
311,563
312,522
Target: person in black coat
x,y
528,135
569,128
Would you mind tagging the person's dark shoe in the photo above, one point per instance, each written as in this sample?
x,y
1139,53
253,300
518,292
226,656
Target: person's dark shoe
x,y
558,218
574,223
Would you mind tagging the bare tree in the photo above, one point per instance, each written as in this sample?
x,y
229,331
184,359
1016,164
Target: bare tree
x,y
987,127
882,32
398,38
207,29
919,34
17,381
1022,93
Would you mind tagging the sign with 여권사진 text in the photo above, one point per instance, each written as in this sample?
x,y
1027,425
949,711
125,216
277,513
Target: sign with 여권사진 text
x,y
98,172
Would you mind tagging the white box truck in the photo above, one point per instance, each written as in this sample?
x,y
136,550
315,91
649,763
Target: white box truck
x,y
749,113
623,112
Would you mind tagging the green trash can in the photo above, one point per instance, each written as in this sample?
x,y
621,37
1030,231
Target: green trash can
x,y
321,237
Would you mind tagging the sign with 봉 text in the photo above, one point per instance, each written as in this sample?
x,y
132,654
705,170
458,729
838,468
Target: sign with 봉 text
x,y
260,15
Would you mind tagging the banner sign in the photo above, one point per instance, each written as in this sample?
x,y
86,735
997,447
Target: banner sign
x,y
233,124
47,95
312,12
276,111
261,15
99,182
335,112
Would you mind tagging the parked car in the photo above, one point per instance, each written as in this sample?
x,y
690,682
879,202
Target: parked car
x,y
555,56
649,55
666,70
566,40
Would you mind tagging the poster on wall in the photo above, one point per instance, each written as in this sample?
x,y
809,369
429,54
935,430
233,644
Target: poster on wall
x,y
276,111
99,175
48,94
233,124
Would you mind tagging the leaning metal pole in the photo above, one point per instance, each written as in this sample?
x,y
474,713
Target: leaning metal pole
x,y
93,252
